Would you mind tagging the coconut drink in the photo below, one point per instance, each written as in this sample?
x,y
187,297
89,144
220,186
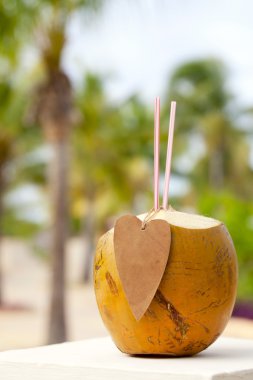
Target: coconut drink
x,y
165,281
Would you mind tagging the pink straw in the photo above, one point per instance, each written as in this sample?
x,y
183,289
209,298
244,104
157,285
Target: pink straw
x,y
156,152
169,153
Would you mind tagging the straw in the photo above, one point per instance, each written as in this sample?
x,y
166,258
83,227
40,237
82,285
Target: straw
x,y
156,152
169,154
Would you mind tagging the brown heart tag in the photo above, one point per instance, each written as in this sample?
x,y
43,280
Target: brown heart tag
x,y
141,253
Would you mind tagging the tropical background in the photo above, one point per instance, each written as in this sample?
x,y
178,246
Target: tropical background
x,y
78,80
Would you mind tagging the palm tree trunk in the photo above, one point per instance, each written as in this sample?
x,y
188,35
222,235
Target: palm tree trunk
x,y
58,183
216,169
89,235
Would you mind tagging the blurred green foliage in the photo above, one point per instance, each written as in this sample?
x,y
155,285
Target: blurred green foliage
x,y
108,146
112,144
237,215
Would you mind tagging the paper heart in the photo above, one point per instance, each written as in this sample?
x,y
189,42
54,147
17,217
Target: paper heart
x,y
141,257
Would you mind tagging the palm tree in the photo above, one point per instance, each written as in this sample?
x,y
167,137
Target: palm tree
x,y
206,109
54,112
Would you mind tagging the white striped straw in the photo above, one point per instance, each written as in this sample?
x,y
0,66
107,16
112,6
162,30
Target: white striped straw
x,y
156,152
169,154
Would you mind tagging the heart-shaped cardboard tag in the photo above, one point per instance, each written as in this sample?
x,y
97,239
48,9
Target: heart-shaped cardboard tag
x,y
141,257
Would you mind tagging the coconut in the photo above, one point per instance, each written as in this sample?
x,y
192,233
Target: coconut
x,y
194,299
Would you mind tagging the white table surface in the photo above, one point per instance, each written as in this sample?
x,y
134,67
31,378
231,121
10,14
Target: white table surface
x,y
99,359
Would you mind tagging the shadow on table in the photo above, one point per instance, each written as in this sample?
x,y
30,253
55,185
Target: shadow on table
x,y
219,353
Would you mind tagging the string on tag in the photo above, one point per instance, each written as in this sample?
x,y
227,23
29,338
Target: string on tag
x,y
152,212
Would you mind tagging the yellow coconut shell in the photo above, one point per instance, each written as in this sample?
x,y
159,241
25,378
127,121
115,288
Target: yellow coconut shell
x,y
194,300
